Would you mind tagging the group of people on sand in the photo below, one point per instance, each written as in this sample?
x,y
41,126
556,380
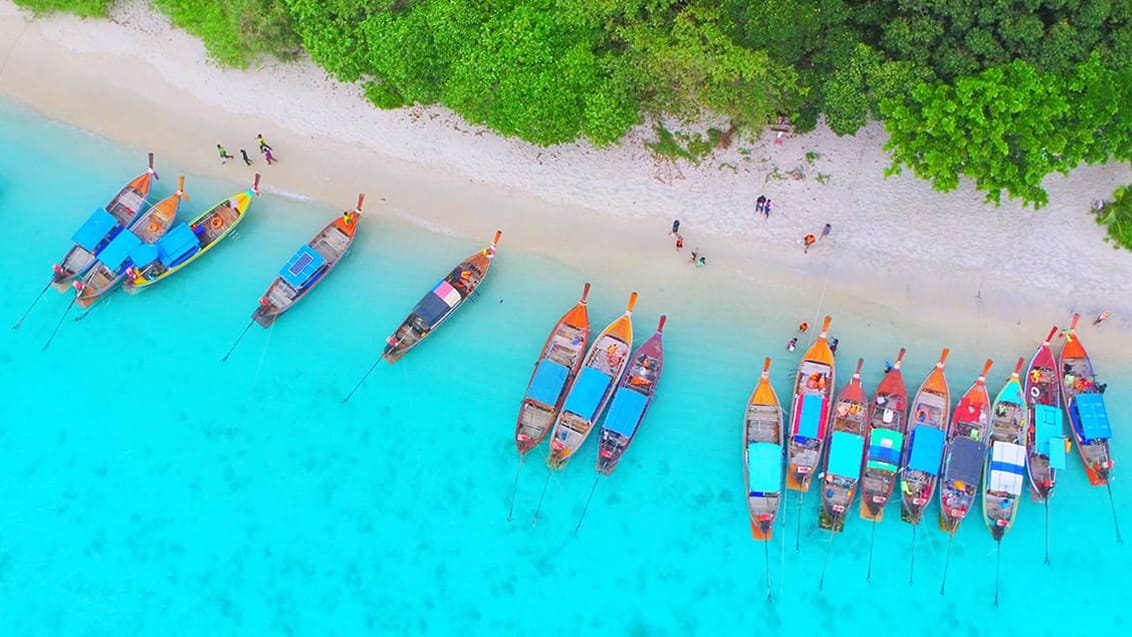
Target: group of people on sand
x,y
810,239
803,327
697,259
264,150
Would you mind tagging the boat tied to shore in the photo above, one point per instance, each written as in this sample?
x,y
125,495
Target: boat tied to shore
x,y
887,417
1046,444
309,266
103,225
134,245
188,241
809,415
927,418
631,400
846,448
441,302
965,453
1004,470
763,456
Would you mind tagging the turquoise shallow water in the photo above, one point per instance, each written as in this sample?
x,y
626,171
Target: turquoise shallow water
x,y
149,489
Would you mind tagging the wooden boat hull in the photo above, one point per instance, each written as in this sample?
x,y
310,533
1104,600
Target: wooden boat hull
x,y
966,452
928,415
103,279
809,416
562,354
1079,379
844,453
1043,387
210,227
880,469
124,207
1004,468
763,456
331,244
631,401
441,302
591,389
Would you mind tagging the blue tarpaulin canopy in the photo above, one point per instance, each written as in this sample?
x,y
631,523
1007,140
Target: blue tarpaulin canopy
x,y
178,242
809,421
94,229
118,250
927,450
1047,426
546,386
1093,417
625,411
144,254
764,468
845,451
965,460
1057,453
884,449
588,390
302,266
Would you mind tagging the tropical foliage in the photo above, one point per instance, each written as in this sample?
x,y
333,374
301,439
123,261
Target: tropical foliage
x,y
1001,92
1117,215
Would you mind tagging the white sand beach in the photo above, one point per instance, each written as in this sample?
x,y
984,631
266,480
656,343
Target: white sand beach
x,y
896,245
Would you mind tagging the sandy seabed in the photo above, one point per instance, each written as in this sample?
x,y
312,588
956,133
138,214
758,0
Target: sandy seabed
x,y
947,261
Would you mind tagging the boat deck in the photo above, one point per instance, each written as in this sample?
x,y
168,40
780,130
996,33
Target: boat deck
x,y
126,205
228,216
764,423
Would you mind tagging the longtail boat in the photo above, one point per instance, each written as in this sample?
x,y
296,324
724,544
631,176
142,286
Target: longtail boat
x,y
134,246
1045,439
186,242
557,365
846,448
1084,405
592,388
763,455
441,302
309,266
966,452
631,401
1004,470
887,417
810,413
101,228
927,418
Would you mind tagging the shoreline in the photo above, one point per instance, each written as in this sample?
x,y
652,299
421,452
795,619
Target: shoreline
x,y
945,261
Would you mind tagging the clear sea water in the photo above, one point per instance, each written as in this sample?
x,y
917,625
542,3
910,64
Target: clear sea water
x,y
149,489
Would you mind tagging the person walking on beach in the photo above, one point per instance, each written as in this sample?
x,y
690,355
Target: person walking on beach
x,y
262,143
695,253
825,231
675,228
803,326
791,344
760,204
1102,317
244,154
701,262
808,241
268,156
833,345
766,208
679,242
224,156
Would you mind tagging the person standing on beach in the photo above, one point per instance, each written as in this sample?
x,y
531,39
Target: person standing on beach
x,y
675,228
825,231
766,208
791,344
262,143
808,241
760,203
1102,317
679,242
695,253
244,154
701,262
224,156
268,156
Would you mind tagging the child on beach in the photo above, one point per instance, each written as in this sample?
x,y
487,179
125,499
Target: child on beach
x,y
268,156
224,156
244,154
808,240
262,143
